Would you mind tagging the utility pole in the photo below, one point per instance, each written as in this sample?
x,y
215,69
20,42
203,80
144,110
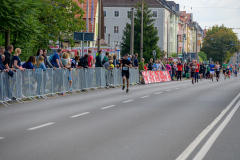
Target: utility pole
x,y
132,33
167,41
99,23
177,45
141,51
196,41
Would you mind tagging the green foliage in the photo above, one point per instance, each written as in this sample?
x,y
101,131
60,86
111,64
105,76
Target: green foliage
x,y
200,59
150,34
203,56
217,43
173,55
34,24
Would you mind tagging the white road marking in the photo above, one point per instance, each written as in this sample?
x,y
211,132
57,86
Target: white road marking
x,y
177,88
128,101
1,138
145,96
108,107
184,155
78,115
168,90
206,147
158,93
41,126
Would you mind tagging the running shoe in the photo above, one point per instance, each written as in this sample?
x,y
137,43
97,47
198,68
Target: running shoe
x,y
127,90
71,89
123,87
7,99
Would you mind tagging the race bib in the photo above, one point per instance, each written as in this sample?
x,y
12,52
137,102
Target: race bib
x,y
217,69
193,67
125,68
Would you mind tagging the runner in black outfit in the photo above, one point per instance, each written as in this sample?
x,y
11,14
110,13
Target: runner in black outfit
x,y
125,64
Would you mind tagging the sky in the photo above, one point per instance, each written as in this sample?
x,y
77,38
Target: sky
x,y
213,12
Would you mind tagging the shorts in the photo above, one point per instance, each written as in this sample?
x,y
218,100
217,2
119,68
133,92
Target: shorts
x,y
212,72
193,74
125,74
69,79
224,71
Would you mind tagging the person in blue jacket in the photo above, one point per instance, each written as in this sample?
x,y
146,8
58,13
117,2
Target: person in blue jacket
x,y
29,64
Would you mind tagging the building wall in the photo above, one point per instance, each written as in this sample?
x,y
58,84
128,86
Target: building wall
x,y
111,21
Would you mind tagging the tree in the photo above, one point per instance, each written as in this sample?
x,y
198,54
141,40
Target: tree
x,y
33,24
217,43
173,55
150,34
203,56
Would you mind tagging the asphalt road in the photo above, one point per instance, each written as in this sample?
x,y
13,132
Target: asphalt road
x,y
165,121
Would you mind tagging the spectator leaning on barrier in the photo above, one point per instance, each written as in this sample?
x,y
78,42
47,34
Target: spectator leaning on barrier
x,y
66,64
83,62
46,61
56,59
39,65
150,65
16,60
2,59
105,59
116,63
141,65
90,58
136,65
7,54
39,53
99,59
75,61
29,64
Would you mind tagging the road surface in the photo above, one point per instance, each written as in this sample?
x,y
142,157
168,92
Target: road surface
x,y
165,121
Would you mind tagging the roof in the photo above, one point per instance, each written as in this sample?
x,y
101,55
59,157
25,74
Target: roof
x,y
131,3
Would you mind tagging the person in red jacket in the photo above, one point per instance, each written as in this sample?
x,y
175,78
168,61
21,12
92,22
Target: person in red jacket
x,y
197,71
179,67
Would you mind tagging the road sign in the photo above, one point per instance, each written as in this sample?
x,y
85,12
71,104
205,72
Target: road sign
x,y
82,36
154,52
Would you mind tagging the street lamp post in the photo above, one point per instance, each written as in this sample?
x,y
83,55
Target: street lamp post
x,y
99,23
141,46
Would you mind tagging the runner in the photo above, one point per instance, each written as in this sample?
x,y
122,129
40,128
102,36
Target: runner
x,y
179,72
217,68
208,72
197,71
193,66
125,64
228,72
201,70
212,66
224,67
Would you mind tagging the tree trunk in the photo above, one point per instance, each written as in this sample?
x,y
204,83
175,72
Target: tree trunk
x,y
7,38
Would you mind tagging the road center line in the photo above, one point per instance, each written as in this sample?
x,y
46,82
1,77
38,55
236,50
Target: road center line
x,y
108,107
1,138
184,155
41,126
128,101
145,96
158,93
78,115
206,147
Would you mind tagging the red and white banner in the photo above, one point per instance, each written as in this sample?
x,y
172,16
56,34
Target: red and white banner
x,y
156,76
146,77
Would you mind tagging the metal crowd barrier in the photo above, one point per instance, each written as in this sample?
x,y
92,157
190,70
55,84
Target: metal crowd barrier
x,y
31,84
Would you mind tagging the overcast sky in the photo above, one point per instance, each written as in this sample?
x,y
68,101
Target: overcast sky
x,y
212,12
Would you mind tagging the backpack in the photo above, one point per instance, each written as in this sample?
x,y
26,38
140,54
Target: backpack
x,y
50,58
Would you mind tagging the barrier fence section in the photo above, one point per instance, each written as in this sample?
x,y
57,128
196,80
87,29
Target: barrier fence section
x,y
156,76
30,84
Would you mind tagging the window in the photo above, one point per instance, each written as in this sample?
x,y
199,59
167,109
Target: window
x,y
105,13
129,14
116,13
115,29
105,29
155,14
155,28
